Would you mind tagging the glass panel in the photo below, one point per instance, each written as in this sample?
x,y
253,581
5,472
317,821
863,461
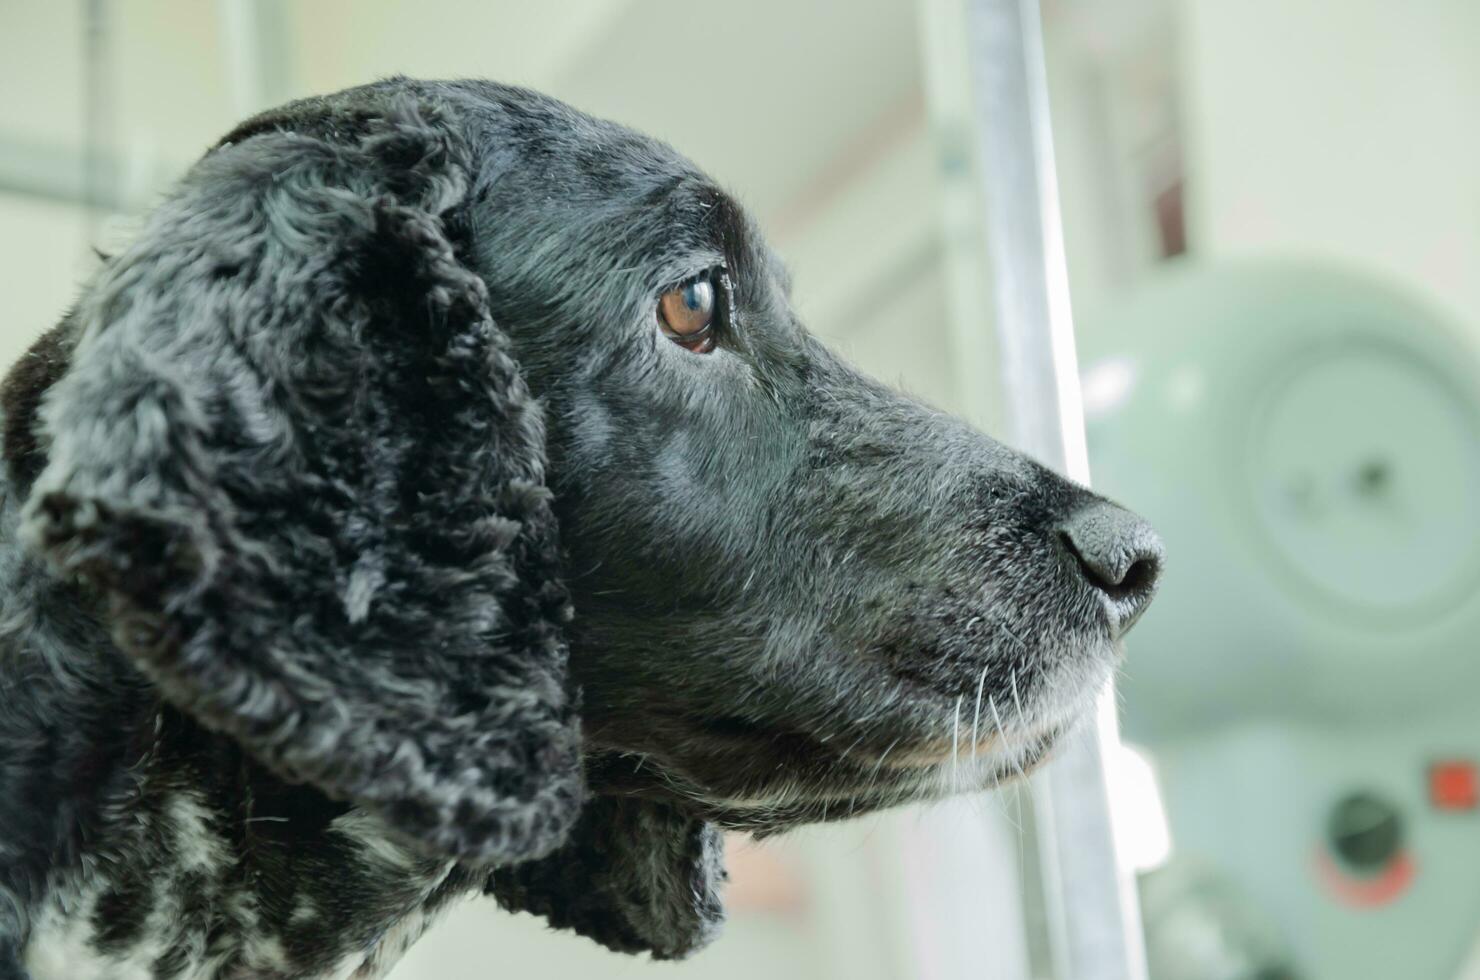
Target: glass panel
x,y
1272,231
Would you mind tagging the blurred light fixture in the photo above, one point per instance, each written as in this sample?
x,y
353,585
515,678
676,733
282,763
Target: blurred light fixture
x,y
1143,839
1106,384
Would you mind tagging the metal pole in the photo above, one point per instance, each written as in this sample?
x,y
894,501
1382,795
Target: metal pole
x,y
1091,905
99,177
259,62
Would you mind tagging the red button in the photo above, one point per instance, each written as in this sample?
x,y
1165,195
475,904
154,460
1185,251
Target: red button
x,y
1454,785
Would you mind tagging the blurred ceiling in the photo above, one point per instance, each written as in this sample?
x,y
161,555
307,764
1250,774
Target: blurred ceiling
x,y
776,99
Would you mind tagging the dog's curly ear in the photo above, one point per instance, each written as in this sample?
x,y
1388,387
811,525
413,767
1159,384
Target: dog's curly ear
x,y
293,452
636,876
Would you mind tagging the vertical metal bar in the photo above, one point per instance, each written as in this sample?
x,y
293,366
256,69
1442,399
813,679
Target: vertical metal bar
x,y
1091,906
99,176
259,64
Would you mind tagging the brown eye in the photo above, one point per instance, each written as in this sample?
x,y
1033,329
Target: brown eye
x,y
686,314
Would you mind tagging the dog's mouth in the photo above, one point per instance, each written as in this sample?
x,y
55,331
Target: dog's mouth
x,y
954,753
751,777
861,786
940,697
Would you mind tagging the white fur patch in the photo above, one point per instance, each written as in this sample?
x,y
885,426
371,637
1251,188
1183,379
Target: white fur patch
x,y
63,943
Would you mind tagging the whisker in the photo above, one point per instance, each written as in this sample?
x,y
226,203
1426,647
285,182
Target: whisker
x,y
1012,758
992,705
878,766
844,754
956,748
976,714
1015,824
1012,680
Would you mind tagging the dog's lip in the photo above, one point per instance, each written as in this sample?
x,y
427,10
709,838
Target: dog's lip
x,y
945,751
920,752
856,781
940,751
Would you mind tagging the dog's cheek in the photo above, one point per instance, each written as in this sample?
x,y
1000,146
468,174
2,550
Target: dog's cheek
x,y
588,435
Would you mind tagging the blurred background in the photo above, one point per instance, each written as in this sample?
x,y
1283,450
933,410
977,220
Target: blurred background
x,y
1271,216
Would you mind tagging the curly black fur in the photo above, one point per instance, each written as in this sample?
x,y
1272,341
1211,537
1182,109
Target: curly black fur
x,y
618,879
286,643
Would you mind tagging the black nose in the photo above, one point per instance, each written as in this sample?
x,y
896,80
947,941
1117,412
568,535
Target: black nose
x,y
1119,554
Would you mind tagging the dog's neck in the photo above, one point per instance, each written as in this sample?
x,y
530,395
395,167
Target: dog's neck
x,y
130,836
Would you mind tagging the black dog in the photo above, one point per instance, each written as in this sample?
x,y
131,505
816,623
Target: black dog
x,y
287,653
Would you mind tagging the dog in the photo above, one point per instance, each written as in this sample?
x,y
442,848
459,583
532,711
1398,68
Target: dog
x,y
440,496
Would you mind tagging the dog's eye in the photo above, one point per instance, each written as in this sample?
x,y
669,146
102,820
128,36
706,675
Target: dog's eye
x,y
687,314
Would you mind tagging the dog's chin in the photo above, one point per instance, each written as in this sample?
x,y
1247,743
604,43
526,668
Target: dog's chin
x,y
766,783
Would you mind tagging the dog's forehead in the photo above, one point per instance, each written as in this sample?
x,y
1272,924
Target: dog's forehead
x,y
588,170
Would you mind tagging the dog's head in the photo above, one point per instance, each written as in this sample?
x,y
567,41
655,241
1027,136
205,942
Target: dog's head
x,y
313,434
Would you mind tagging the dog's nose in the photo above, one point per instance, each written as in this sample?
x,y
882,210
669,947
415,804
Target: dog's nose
x,y
1119,554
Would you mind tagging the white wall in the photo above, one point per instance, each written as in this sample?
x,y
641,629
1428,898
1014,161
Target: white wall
x,y
1331,129
43,259
1344,129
